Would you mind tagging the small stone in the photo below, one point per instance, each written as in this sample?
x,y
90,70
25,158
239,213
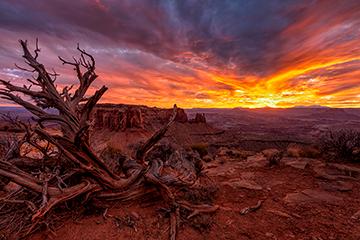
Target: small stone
x,y
135,215
298,163
290,235
257,160
356,216
270,235
207,158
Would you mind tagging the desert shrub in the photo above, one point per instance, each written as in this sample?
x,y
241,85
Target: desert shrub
x,y
296,150
273,156
310,152
201,148
341,145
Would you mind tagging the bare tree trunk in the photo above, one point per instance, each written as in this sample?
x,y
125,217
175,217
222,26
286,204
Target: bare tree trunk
x,y
69,167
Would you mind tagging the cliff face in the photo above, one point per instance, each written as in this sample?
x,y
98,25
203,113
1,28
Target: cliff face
x,y
121,117
118,119
199,118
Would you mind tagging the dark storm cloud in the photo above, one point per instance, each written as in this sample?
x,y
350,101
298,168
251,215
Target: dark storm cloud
x,y
225,33
212,47
243,34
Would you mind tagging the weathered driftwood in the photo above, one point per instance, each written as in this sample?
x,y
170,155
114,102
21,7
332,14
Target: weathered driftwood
x,y
68,167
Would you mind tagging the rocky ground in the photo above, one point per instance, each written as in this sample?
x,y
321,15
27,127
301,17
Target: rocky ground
x,y
302,198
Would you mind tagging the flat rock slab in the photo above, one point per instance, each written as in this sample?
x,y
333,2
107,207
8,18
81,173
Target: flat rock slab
x,y
243,183
312,195
257,160
299,163
340,186
346,170
336,172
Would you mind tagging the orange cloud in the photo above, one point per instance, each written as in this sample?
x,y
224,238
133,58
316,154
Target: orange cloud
x,y
281,54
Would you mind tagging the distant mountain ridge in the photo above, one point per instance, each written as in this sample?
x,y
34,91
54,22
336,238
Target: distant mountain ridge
x,y
310,106
313,111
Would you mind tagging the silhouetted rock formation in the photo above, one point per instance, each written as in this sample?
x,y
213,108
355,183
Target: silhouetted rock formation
x,y
181,116
119,117
199,118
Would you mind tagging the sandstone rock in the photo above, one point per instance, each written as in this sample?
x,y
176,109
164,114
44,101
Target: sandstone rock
x,y
340,186
243,183
270,235
121,117
212,165
336,172
222,151
236,154
118,118
312,195
299,163
132,118
199,118
181,116
257,160
135,215
207,158
349,171
97,115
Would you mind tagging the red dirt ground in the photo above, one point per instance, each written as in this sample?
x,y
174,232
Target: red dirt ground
x,y
326,213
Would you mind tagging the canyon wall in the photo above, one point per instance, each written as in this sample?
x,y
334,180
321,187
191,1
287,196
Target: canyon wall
x,y
119,117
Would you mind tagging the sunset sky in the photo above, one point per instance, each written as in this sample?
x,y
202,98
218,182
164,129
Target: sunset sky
x,y
215,53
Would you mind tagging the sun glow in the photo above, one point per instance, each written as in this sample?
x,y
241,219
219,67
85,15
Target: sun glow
x,y
163,55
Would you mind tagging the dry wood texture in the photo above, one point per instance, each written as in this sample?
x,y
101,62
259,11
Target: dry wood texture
x,y
68,168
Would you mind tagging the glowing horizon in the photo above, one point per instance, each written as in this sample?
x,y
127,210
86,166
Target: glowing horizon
x,y
219,54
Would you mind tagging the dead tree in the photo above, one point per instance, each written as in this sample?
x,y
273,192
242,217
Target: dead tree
x,y
68,168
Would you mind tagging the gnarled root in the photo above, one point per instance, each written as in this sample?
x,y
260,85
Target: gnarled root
x,y
68,167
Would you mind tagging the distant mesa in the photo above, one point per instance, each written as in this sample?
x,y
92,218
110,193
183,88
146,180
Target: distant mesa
x,y
119,117
311,106
334,113
199,118
274,108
